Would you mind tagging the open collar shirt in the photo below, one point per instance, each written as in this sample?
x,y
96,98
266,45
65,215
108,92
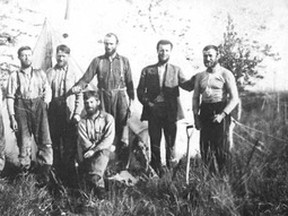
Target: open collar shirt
x,y
29,85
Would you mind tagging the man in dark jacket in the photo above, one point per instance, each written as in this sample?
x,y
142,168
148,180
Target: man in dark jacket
x,y
158,91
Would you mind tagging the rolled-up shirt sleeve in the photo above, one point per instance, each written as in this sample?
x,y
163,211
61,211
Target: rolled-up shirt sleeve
x,y
89,74
12,85
47,92
11,89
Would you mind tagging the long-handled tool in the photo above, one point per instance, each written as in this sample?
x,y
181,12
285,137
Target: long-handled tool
x,y
189,132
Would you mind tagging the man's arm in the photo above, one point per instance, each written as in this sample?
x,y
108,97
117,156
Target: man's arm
x,y
232,91
78,101
129,80
86,78
184,83
196,102
47,92
142,88
78,106
12,86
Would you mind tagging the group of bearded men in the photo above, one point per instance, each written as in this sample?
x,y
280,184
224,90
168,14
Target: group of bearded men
x,y
49,106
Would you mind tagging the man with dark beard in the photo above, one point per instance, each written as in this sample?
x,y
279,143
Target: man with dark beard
x,y
28,96
219,97
158,91
96,132
114,82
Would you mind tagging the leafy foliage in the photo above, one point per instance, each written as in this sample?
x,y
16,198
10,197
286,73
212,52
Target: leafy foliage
x,y
243,56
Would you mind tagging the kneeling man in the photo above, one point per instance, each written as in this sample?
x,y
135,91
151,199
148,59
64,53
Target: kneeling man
x,y
96,132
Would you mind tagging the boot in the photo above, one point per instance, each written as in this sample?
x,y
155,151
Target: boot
x,y
43,175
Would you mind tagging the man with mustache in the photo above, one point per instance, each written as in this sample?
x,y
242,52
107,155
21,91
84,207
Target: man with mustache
x,y
219,93
158,91
64,113
96,133
114,82
28,96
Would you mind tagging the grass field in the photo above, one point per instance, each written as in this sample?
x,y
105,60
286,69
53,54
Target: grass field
x,y
255,185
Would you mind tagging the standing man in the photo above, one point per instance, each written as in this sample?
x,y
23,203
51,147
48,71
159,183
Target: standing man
x,y
2,136
219,97
114,82
96,133
28,95
158,91
64,113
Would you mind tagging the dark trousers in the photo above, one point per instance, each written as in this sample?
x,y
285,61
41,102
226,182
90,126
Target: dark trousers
x,y
92,169
2,144
157,122
31,116
214,137
115,103
64,139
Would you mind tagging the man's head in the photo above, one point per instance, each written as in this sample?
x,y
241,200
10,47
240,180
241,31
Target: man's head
x,y
25,56
62,55
164,48
91,102
110,43
210,56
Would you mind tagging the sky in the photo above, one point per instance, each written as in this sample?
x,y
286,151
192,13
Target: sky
x,y
190,24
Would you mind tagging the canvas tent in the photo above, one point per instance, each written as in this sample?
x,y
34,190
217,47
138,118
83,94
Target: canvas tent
x,y
43,57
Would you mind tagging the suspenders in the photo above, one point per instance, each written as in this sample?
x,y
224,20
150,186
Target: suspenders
x,y
122,75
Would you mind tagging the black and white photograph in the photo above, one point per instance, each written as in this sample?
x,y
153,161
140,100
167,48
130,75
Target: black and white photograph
x,y
143,107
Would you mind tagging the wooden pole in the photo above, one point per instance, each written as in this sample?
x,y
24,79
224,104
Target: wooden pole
x,y
189,132
67,12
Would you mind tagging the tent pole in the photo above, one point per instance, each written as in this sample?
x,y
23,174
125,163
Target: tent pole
x,y
67,12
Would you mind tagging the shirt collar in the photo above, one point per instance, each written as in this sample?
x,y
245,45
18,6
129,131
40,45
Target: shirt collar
x,y
95,116
57,67
27,71
115,57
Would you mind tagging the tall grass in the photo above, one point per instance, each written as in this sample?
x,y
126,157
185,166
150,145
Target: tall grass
x,y
256,183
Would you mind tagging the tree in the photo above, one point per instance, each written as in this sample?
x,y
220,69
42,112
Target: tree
x,y
243,56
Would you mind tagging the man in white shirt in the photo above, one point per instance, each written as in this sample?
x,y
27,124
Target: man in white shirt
x,y
219,92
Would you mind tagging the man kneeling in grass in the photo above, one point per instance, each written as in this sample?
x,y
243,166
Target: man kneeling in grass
x,y
96,133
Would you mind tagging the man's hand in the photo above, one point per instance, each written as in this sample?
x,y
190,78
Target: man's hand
x,y
89,154
219,117
76,89
150,104
13,123
197,122
47,106
76,118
